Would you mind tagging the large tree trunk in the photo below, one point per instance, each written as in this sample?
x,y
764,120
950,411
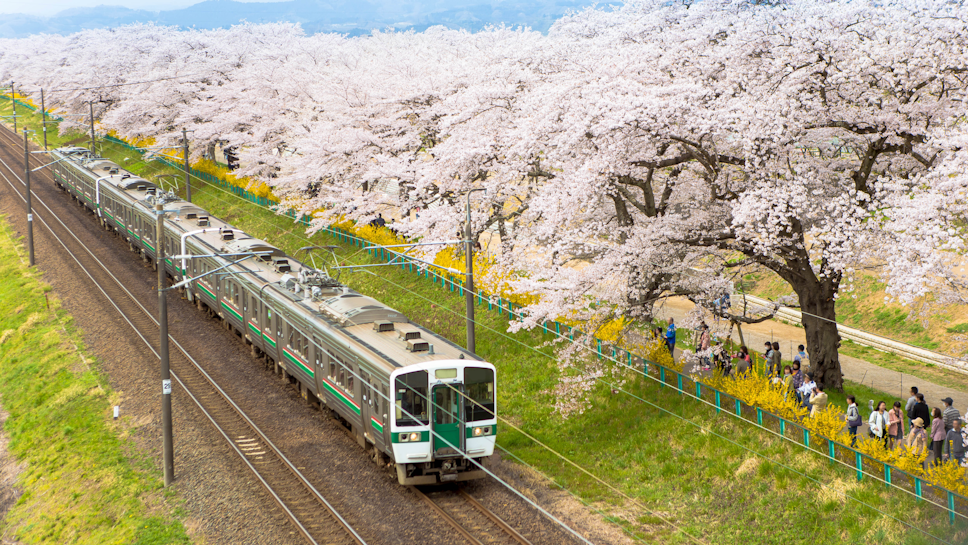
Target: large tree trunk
x,y
820,324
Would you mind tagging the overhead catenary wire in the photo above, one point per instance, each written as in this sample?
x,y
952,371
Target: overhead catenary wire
x,y
605,382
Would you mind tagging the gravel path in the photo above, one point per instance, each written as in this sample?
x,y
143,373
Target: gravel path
x,y
223,502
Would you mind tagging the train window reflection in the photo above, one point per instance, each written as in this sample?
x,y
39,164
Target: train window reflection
x,y
479,385
410,395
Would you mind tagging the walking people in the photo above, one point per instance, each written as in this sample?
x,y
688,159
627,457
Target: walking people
x,y
909,406
937,435
671,336
950,413
853,418
954,444
895,425
877,423
745,360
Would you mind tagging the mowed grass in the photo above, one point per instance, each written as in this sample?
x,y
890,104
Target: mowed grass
x,y
710,476
689,471
82,481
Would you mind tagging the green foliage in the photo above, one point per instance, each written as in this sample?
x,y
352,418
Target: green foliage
x,y
79,482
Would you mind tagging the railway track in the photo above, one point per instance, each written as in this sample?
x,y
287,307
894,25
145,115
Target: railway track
x,y
477,524
312,515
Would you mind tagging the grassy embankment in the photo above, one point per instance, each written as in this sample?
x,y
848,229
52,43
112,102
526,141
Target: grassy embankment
x,y
83,482
865,308
687,465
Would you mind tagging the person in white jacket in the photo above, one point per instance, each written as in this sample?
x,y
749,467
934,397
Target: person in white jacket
x,y
878,421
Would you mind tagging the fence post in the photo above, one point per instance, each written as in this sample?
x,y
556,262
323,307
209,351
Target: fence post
x,y
461,289
917,487
661,376
499,309
951,507
887,475
806,437
557,329
859,463
759,417
629,353
645,366
833,452
598,347
739,408
719,406
679,381
698,390
782,427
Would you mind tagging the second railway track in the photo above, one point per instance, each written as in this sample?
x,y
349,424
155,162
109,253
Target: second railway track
x,y
477,524
312,515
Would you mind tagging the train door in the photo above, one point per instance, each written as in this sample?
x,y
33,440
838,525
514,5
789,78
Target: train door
x,y
447,423
268,332
375,418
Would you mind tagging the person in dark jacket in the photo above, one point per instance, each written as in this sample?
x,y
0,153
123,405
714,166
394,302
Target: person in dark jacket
x,y
921,410
954,444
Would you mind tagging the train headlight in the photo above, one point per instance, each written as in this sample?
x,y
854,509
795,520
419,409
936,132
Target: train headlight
x,y
414,436
404,437
478,432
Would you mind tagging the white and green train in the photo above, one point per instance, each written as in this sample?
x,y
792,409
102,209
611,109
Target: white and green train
x,y
408,394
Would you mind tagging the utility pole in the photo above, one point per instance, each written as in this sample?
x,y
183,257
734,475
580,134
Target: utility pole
x,y
43,116
469,275
13,104
169,460
188,180
91,104
30,212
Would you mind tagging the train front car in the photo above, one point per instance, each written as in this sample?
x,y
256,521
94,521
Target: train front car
x,y
444,416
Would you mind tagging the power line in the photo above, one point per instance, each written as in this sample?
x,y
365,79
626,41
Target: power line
x,y
122,84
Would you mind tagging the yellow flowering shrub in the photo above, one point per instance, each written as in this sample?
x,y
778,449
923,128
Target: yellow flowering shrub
x,y
948,475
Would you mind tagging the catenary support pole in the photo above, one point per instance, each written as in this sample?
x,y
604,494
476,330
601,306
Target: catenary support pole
x,y
188,179
30,212
469,277
91,104
13,104
169,461
43,117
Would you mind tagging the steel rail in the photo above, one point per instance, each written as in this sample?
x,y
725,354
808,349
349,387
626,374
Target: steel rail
x,y
497,521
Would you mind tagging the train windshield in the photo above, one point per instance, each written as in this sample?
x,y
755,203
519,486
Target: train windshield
x,y
479,385
411,399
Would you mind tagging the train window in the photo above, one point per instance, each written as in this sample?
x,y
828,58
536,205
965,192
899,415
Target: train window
x,y
255,309
341,378
333,362
479,385
410,395
236,294
350,382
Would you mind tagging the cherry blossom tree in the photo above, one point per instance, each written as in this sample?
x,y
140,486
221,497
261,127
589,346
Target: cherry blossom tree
x,y
632,154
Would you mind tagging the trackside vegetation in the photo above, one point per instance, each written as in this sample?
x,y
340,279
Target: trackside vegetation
x,y
688,470
82,481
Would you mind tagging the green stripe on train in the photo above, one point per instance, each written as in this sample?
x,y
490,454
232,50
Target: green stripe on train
x,y
341,396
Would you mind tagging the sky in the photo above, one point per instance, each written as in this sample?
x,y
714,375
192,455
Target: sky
x,y
46,8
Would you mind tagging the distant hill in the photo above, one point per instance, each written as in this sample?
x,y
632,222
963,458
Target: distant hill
x,y
342,16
